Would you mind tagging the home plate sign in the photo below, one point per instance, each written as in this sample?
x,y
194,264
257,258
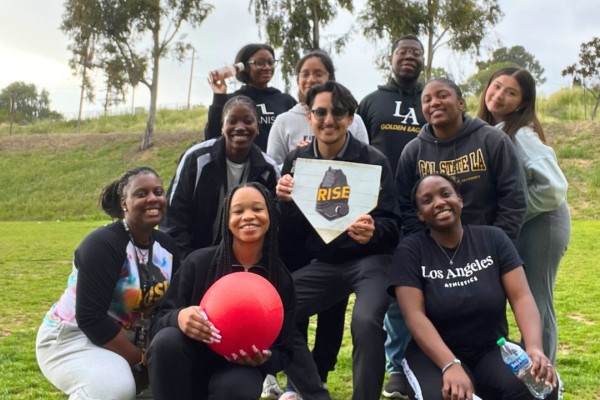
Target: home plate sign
x,y
332,194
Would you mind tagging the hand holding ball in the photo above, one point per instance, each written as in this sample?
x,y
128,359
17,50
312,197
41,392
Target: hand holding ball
x,y
246,309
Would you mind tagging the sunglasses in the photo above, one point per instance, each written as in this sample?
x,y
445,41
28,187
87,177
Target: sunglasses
x,y
321,113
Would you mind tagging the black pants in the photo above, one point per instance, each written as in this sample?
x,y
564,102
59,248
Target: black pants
x,y
321,285
328,337
491,378
181,368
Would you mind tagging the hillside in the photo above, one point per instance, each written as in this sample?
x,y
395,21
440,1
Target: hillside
x,y
59,176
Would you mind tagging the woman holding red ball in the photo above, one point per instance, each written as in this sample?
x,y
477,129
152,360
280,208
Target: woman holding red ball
x,y
180,362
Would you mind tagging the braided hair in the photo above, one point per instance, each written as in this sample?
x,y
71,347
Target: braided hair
x,y
111,195
222,262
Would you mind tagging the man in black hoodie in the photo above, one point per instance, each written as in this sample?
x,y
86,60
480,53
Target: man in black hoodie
x,y
392,113
393,117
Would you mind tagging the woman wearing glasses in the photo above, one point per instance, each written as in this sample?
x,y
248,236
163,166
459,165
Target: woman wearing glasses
x,y
181,364
291,129
92,342
259,65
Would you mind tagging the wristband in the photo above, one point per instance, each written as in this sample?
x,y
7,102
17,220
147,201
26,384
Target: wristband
x,y
451,363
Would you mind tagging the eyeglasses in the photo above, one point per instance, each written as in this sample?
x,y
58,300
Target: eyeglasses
x,y
321,113
260,63
316,74
402,51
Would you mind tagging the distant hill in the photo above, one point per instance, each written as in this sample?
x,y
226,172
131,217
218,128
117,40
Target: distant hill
x,y
59,176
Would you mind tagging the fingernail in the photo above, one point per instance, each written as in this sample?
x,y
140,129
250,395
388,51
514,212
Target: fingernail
x,y
203,314
243,353
234,356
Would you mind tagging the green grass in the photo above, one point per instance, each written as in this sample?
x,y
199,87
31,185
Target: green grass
x,y
36,261
58,177
167,121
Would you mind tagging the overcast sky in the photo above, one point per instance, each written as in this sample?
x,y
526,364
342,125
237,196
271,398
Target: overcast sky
x,y
34,50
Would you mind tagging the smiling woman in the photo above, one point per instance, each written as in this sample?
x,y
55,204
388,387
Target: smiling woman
x,y
97,331
478,156
452,353
259,65
208,170
181,363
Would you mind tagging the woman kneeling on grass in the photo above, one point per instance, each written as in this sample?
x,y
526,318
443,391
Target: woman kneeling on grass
x,y
181,364
452,282
91,344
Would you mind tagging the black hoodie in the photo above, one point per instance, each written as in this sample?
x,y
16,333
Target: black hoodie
x,y
483,161
393,117
270,102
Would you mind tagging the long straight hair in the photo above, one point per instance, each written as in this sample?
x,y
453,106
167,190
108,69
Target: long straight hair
x,y
525,114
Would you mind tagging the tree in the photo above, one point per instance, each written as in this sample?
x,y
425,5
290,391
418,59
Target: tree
x,y
20,101
459,24
517,56
476,82
587,70
123,27
81,23
295,27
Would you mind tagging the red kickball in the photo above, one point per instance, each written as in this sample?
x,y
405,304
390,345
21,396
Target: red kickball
x,y
246,309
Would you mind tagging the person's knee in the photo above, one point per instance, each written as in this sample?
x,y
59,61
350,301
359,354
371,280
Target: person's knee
x,y
365,324
168,343
248,384
121,386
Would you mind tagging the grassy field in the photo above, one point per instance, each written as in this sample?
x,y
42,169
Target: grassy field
x,y
51,182
36,260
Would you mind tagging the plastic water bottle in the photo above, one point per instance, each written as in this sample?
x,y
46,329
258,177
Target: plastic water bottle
x,y
230,70
518,361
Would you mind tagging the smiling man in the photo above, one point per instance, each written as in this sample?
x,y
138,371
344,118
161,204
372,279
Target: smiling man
x,y
392,113
393,118
355,262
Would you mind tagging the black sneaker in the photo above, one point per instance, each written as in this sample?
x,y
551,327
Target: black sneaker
x,y
396,387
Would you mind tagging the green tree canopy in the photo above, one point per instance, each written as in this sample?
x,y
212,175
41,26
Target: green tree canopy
x,y
476,82
20,102
515,56
460,25
587,69
294,26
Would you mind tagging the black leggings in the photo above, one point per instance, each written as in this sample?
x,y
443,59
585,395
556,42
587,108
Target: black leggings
x,y
492,379
182,368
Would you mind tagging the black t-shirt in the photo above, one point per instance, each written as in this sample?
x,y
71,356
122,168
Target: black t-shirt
x,y
465,301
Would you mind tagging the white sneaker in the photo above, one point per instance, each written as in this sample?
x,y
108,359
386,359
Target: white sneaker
x,y
271,389
290,396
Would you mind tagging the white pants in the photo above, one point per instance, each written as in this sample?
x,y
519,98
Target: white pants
x,y
79,368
